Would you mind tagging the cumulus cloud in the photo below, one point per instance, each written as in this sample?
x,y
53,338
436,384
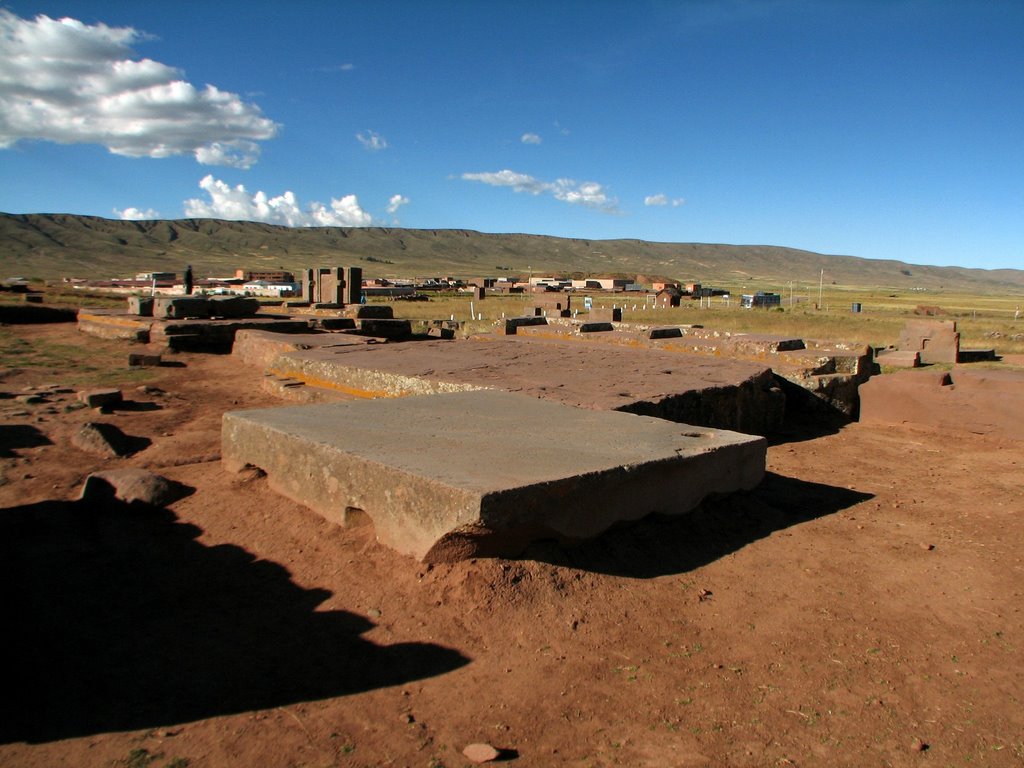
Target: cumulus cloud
x,y
134,214
372,140
660,199
235,203
73,83
396,202
586,193
531,138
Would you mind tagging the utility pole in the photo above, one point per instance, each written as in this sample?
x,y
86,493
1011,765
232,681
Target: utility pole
x,y
821,282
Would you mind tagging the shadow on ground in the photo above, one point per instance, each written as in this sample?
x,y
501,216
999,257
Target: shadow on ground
x,y
14,436
660,546
118,619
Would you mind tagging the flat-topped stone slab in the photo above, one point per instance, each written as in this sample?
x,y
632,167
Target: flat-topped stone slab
x,y
466,474
692,389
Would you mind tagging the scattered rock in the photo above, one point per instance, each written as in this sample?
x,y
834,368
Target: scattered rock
x,y
74,407
30,399
927,547
481,753
106,440
98,398
373,613
141,359
132,485
918,746
408,719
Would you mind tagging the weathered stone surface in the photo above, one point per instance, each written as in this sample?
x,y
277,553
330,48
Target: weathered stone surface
x,y
98,398
105,440
987,402
114,324
140,305
335,323
385,328
895,358
218,334
596,327
938,341
441,333
142,359
692,389
233,306
373,312
256,347
181,307
132,485
464,474
513,323
480,753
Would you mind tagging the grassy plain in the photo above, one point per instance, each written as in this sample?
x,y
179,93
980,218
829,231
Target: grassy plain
x,y
984,321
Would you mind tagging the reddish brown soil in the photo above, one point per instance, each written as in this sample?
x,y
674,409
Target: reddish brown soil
x,y
862,607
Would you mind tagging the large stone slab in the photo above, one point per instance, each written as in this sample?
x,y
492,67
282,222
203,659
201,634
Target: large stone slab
x,y
691,389
983,401
465,474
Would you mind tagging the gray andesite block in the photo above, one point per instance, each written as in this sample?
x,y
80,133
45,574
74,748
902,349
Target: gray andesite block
x,y
180,307
673,332
451,476
140,305
233,306
385,328
513,323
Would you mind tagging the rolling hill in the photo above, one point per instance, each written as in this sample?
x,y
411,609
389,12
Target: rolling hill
x,y
52,246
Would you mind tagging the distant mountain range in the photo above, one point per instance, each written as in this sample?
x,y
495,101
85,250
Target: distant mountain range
x,y
52,246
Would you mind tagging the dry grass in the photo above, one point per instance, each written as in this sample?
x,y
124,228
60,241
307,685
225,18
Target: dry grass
x,y
983,321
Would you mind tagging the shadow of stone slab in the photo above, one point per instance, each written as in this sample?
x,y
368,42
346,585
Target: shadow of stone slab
x,y
119,619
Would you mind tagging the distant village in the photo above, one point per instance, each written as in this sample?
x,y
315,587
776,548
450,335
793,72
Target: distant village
x,y
281,284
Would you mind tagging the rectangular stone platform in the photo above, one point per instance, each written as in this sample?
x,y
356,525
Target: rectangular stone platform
x,y
467,474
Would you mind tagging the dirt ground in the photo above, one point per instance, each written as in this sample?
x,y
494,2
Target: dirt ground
x,y
862,607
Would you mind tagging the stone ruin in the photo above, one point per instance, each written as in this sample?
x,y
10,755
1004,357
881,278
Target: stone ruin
x,y
332,287
437,443
927,342
450,476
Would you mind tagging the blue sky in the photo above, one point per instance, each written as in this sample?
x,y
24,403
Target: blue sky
x,y
875,129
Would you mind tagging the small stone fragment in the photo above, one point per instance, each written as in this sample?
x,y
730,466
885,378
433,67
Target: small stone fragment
x,y
927,547
30,399
480,753
918,746
102,440
130,485
141,360
97,398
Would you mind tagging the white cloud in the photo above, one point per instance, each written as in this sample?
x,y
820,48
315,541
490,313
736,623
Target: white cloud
x,y
660,199
134,214
372,140
74,83
531,138
586,193
347,67
396,202
237,204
